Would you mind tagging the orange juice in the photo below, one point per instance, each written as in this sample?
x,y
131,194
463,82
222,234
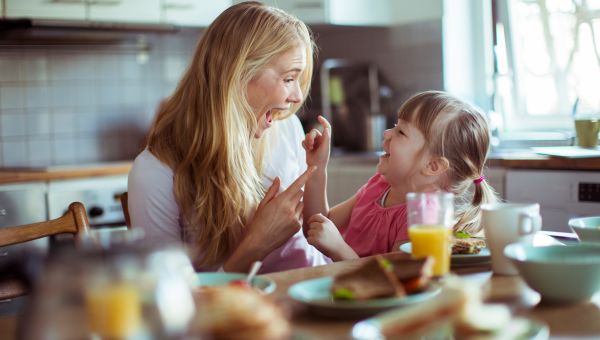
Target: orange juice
x,y
114,310
432,240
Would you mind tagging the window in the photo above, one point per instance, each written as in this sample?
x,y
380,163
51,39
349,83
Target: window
x,y
547,55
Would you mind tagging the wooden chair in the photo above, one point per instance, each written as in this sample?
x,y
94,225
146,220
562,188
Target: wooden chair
x,y
74,221
125,206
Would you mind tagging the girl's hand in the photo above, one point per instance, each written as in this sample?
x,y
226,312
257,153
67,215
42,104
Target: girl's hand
x,y
279,216
318,145
326,237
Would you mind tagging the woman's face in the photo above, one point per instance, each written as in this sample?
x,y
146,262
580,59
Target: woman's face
x,y
276,87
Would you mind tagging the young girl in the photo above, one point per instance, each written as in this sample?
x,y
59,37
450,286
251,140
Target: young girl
x,y
439,143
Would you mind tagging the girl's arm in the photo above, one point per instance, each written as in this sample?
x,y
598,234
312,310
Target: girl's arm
x,y
317,146
341,213
325,236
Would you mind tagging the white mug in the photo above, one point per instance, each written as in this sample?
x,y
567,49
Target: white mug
x,y
505,223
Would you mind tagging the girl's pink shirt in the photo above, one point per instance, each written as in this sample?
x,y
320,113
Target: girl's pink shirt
x,y
374,229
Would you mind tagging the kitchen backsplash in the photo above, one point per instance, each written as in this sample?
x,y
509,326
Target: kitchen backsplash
x,y
85,104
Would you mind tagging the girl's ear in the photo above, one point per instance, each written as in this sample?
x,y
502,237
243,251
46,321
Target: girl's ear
x,y
436,166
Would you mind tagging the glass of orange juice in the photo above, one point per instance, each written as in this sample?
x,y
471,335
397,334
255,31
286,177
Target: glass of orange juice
x,y
430,220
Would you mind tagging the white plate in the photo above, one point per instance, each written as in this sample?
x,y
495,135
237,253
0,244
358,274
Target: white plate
x,y
316,293
459,259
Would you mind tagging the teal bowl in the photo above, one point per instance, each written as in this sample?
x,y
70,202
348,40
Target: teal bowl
x,y
586,228
561,274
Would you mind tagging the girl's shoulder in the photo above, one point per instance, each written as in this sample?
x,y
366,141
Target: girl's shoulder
x,y
374,187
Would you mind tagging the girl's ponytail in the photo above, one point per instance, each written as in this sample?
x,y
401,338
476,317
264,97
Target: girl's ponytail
x,y
469,213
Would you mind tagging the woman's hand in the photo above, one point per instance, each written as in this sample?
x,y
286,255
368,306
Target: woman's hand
x,y
318,145
326,237
279,216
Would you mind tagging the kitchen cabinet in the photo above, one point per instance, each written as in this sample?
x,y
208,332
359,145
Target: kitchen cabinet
x,y
562,195
134,11
44,9
346,176
176,12
192,12
360,12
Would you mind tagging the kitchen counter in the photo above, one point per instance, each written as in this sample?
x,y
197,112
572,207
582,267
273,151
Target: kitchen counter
x,y
512,159
20,175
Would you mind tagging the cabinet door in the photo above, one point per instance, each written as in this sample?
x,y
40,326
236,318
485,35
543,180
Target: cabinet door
x,y
345,179
44,9
142,11
192,12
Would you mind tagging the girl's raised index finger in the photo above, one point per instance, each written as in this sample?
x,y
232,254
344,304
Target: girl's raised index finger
x,y
324,122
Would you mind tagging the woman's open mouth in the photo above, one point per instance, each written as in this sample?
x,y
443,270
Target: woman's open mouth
x,y
269,119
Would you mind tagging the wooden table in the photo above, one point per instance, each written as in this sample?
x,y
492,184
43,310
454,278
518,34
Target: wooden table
x,y
565,321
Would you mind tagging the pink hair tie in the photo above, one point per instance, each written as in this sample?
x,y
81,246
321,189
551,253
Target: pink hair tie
x,y
479,180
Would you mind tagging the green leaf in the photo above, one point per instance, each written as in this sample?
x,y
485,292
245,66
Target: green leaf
x,y
462,234
385,264
343,294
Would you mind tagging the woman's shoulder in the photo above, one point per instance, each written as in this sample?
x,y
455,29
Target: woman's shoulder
x,y
147,165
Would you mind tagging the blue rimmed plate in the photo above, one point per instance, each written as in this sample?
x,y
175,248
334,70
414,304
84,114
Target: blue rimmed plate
x,y
316,295
264,285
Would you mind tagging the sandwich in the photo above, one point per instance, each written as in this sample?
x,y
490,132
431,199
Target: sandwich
x,y
382,278
236,312
465,243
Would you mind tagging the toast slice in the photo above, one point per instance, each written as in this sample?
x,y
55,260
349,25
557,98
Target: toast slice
x,y
469,245
381,277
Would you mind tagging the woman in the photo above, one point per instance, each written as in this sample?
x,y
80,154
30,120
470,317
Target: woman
x,y
211,153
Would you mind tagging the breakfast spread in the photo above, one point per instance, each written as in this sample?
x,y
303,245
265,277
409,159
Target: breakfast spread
x,y
237,312
381,278
464,243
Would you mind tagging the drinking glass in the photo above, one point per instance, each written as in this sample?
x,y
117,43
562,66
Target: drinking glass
x,y
430,220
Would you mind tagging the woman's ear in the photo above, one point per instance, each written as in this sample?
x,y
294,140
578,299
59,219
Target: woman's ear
x,y
436,166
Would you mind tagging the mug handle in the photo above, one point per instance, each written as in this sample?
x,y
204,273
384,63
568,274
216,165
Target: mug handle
x,y
534,225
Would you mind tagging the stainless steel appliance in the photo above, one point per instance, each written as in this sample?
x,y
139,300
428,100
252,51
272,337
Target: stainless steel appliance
x,y
351,101
22,204
100,195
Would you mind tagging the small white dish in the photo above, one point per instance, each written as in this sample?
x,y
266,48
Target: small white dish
x,y
211,279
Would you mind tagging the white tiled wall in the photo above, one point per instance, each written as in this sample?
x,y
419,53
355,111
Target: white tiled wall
x,y
79,105
69,105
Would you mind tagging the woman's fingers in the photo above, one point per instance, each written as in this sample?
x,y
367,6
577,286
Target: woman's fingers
x,y
297,185
271,193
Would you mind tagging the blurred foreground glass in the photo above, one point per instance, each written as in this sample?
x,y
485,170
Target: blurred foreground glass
x,y
113,290
430,220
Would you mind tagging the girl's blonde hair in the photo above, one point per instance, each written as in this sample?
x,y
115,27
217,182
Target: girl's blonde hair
x,y
458,132
205,130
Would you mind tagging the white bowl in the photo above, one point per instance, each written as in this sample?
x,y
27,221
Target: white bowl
x,y
562,274
586,228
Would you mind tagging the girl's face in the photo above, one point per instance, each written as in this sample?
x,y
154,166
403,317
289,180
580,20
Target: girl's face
x,y
403,157
276,87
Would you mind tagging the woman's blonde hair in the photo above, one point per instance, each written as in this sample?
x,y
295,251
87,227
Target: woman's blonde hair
x,y
205,130
458,132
